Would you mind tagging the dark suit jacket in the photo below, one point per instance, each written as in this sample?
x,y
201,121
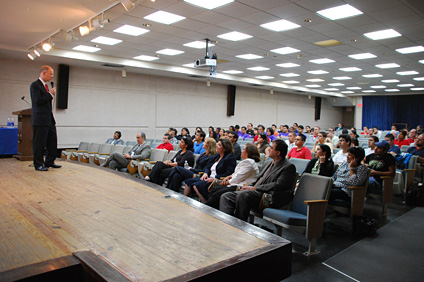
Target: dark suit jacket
x,y
41,102
225,166
279,182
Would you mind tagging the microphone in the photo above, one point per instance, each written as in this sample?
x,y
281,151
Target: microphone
x,y
52,84
23,99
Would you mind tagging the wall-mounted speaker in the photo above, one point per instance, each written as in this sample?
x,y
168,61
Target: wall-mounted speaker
x,y
231,100
62,87
317,108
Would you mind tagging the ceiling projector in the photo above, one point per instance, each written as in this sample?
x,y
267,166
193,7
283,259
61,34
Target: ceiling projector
x,y
205,63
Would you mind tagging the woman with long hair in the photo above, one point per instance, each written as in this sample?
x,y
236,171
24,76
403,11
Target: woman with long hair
x,y
262,143
322,164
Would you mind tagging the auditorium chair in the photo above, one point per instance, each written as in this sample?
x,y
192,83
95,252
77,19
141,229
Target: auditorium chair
x,y
66,154
300,164
131,143
105,149
117,148
92,147
307,211
386,197
156,156
404,178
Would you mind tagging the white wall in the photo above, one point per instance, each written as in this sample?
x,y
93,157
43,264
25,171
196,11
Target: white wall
x,y
101,101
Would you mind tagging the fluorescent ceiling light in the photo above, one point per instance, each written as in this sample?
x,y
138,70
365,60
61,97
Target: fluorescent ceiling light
x,y
353,88
170,52
264,77
342,78
147,58
331,89
280,25
417,89
419,78
409,50
372,75
421,61
291,82
391,90
288,65
258,69
249,57
318,72
347,92
378,86
106,40
362,56
313,86
350,69
387,66
86,48
164,17
390,81
336,84
315,80
235,36
368,91
198,44
322,61
289,74
407,72
131,30
285,50
207,4
232,71
339,12
382,34
405,85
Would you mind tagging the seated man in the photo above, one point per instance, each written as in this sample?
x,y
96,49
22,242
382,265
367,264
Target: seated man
x,y
300,129
344,145
199,139
331,138
172,136
322,139
141,150
381,164
276,179
166,145
401,141
291,142
250,129
412,136
284,130
418,150
261,129
233,138
116,139
244,134
300,152
371,145
394,149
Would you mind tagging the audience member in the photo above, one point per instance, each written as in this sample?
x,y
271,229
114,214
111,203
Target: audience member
x,y
172,136
184,132
284,130
217,131
322,139
300,151
211,131
291,141
381,164
244,134
262,143
270,134
339,127
371,145
412,136
233,138
344,144
237,129
140,151
165,143
376,132
199,139
274,127
250,129
276,181
116,140
261,129
401,141
418,150
300,129
322,164
331,138
244,174
221,133
231,128
198,129
394,149
307,129
353,134
365,131
354,142
295,127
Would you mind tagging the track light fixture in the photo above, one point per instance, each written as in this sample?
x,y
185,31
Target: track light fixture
x,y
128,4
47,46
93,25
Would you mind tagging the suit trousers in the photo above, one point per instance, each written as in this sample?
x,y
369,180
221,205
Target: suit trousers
x,y
159,173
239,203
117,161
177,176
44,138
215,194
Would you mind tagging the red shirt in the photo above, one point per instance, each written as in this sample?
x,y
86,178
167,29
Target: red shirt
x,y
256,139
400,144
167,146
303,153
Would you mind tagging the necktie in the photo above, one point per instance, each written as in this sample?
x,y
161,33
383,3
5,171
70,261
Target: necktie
x,y
47,87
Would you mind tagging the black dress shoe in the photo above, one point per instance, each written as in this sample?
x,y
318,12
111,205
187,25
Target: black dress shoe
x,y
53,165
41,168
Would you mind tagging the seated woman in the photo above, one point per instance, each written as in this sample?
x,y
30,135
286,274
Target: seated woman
x,y
262,143
245,173
270,134
222,164
322,164
179,174
350,173
184,132
161,170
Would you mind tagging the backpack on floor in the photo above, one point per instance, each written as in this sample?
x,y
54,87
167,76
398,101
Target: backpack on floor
x,y
364,226
415,196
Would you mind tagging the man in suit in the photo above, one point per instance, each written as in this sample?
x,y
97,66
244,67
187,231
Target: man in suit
x,y
141,151
43,122
116,140
276,180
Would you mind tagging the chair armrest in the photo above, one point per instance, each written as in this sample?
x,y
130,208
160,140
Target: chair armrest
x,y
104,154
70,150
92,152
387,189
357,200
80,151
152,162
316,216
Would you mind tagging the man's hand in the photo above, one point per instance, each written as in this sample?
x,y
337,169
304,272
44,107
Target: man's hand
x,y
248,188
127,156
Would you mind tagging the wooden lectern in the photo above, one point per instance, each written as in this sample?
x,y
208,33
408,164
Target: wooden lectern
x,y
24,135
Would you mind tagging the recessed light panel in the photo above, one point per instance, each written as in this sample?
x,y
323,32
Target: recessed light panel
x,y
318,72
331,89
290,74
405,85
288,65
131,30
387,66
417,89
347,92
146,58
421,61
407,72
353,88
249,57
313,86
339,12
198,44
371,75
164,17
368,91
169,52
322,61
390,81
315,80
232,71
235,36
291,82
336,84
328,43
264,77
207,4
378,86
350,69
391,90
382,34
409,50
279,25
419,78
106,40
342,78
362,56
86,48
285,50
258,69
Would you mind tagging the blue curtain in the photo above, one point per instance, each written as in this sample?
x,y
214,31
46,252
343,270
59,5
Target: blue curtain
x,y
383,111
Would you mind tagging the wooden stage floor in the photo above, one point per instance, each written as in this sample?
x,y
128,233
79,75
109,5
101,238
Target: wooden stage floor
x,y
129,223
